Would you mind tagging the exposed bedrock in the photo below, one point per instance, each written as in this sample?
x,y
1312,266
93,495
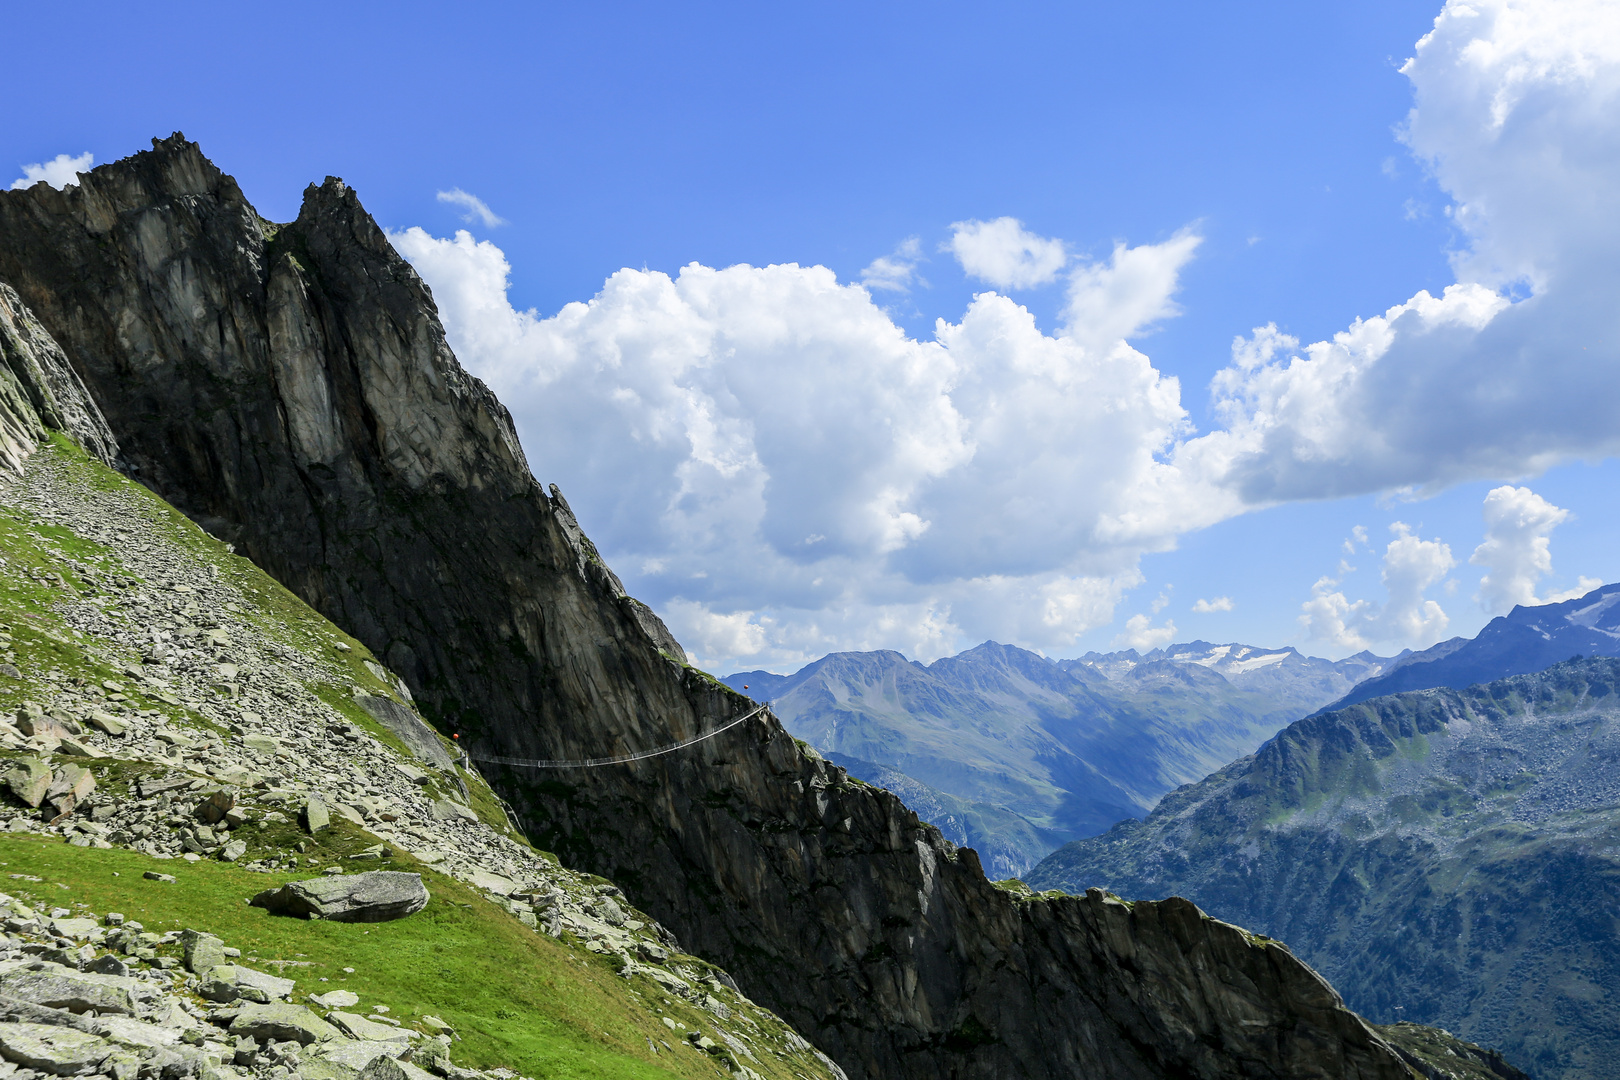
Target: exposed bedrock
x,y
289,386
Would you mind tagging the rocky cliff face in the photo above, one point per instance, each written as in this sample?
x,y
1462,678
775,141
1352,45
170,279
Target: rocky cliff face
x,y
40,393
289,387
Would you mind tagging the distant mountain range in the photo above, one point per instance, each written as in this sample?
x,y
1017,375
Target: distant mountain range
x,y
1445,856
1524,640
1014,754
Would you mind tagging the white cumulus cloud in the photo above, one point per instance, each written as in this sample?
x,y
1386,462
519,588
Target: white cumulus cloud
x,y
1412,566
1209,607
1005,254
766,441
476,209
772,450
1140,634
58,172
1517,116
1517,552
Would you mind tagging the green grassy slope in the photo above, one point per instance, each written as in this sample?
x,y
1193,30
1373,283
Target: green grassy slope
x,y
515,997
546,1007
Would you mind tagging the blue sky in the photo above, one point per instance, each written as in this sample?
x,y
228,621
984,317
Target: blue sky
x,y
836,481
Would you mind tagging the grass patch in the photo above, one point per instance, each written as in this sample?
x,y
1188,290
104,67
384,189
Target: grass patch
x,y
516,998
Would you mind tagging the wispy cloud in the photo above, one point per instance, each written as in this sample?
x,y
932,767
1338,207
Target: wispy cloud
x,y
476,208
58,172
1209,607
895,272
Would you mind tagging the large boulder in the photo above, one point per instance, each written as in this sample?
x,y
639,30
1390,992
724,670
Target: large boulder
x,y
353,1055
58,1051
358,1027
202,951
282,1022
230,982
28,779
376,896
57,987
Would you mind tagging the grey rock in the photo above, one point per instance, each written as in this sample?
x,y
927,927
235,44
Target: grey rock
x,y
336,999
79,991
54,1050
610,912
129,1031
498,884
73,780
411,729
233,850
78,748
318,1066
246,1051
232,982
201,951
28,779
77,929
358,1027
349,813
153,875
316,816
383,1068
429,1054
350,1058
40,391
375,896
219,985
281,1022
257,985
108,964
106,722
445,810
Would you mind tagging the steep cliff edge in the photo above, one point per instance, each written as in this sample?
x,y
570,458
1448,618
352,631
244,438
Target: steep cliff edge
x,y
290,388
40,393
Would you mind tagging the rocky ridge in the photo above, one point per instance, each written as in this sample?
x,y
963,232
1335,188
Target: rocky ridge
x,y
1295,682
289,387
230,734
1524,640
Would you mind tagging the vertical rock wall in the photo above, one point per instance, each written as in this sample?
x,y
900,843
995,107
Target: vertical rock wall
x,y
39,391
290,387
